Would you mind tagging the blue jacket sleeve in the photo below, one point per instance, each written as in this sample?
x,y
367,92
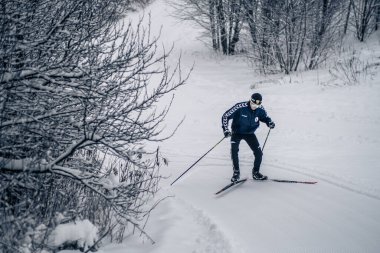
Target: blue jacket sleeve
x,y
229,115
264,117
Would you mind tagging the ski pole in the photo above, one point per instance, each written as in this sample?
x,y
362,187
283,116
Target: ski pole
x,y
197,161
266,140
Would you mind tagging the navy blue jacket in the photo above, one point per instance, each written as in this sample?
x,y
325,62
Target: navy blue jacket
x,y
244,119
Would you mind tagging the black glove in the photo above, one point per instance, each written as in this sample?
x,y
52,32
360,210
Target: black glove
x,y
227,133
271,125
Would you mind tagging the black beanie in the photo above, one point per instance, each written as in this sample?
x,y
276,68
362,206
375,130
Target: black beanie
x,y
256,96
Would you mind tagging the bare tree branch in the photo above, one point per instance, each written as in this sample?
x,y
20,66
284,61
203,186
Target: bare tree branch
x,y
78,104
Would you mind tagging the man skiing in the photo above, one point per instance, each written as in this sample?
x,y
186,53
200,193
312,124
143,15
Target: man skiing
x,y
246,117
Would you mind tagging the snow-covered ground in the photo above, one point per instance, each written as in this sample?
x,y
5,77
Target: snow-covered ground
x,y
325,131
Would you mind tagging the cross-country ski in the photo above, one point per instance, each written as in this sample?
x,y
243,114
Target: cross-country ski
x,y
231,185
241,181
293,181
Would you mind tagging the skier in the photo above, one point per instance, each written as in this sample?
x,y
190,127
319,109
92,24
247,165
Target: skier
x,y
245,120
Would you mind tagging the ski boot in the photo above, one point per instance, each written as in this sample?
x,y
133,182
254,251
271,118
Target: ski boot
x,y
235,177
258,176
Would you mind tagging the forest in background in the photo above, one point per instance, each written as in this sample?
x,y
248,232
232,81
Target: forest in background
x,y
281,35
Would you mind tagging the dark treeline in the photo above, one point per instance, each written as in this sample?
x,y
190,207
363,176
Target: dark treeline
x,y
284,35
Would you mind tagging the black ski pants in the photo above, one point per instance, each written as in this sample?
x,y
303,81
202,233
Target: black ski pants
x,y
253,143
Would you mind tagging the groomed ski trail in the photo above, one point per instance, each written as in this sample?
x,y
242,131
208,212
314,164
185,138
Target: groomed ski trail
x,y
301,218
210,237
179,226
321,133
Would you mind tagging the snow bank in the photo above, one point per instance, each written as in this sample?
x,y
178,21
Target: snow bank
x,y
84,233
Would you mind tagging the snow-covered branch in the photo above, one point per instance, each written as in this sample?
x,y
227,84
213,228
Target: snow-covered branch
x,y
80,97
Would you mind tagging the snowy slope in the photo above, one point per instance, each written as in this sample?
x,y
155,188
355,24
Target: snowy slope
x,y
325,131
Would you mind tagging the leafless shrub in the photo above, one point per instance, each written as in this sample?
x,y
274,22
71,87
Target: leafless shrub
x,y
347,71
353,71
77,105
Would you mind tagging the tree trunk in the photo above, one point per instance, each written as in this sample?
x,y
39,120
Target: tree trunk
x,y
264,43
321,22
235,24
213,27
222,26
363,27
347,17
249,8
377,20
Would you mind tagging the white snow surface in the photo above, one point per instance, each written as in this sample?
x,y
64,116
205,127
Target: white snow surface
x,y
325,131
82,231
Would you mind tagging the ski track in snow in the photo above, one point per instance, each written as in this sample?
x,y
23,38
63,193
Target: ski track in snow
x,y
210,238
330,178
339,182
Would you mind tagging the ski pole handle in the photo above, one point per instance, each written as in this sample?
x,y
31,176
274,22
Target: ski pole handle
x,y
197,161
